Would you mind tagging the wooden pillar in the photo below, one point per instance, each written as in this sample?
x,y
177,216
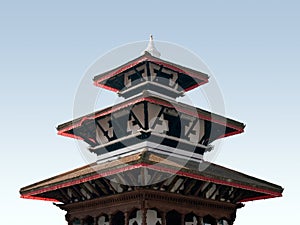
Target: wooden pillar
x,y
163,218
68,219
200,220
182,219
215,221
230,222
81,221
144,216
110,219
126,218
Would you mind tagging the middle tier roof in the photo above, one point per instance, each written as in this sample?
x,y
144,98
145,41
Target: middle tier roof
x,y
149,117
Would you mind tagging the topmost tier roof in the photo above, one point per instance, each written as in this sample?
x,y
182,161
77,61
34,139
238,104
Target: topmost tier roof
x,y
152,73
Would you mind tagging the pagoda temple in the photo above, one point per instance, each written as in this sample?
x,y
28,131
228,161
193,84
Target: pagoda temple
x,y
150,167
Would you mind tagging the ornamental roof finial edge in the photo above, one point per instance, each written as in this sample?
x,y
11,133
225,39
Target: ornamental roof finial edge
x,y
151,49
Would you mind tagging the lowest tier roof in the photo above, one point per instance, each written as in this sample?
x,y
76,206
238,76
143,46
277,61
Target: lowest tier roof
x,y
197,180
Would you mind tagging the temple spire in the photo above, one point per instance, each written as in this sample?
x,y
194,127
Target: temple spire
x,y
151,48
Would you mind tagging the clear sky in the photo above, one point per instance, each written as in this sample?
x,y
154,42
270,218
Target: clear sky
x,y
252,47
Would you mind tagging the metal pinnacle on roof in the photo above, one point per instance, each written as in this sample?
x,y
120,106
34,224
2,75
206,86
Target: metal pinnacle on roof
x,y
151,48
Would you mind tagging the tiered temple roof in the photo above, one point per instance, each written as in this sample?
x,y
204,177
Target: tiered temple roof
x,y
150,151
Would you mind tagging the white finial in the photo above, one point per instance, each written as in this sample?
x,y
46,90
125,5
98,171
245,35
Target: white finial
x,y
151,48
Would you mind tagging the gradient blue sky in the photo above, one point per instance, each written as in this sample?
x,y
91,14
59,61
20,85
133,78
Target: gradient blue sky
x,y
252,47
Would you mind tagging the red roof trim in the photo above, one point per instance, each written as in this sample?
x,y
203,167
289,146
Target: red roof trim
x,y
70,135
105,87
268,194
176,69
122,69
231,133
81,180
259,198
183,110
39,198
94,116
195,85
236,185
